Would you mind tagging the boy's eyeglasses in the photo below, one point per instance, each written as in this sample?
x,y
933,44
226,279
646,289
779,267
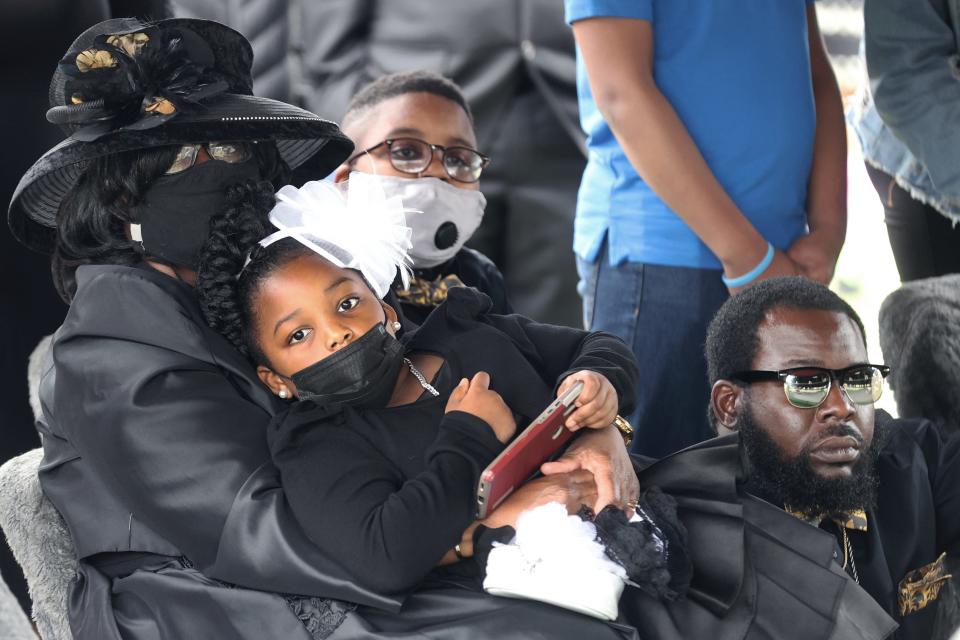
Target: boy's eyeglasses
x,y
808,387
231,152
412,155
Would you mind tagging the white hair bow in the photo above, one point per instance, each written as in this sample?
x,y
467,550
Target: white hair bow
x,y
357,228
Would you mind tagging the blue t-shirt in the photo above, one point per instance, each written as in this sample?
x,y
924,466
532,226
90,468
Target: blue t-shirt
x,y
737,72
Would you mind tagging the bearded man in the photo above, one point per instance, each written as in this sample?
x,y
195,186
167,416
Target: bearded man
x,y
813,515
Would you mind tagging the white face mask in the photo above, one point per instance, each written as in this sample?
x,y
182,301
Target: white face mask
x,y
446,216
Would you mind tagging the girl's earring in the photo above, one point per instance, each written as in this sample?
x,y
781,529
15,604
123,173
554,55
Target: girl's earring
x,y
396,325
283,393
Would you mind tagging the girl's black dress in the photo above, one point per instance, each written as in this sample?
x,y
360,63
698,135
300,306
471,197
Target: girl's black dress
x,y
396,485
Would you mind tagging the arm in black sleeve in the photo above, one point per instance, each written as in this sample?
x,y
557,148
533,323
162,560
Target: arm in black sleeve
x,y
354,503
560,351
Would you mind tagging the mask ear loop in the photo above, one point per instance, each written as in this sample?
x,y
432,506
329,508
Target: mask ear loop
x,y
136,234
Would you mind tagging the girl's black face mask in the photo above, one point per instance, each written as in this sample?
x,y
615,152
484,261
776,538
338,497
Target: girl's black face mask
x,y
175,214
363,374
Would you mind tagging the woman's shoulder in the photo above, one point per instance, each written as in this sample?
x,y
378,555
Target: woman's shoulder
x,y
137,304
95,280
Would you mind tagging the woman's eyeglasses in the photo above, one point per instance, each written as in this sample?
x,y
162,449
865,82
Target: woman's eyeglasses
x,y
411,155
230,152
808,387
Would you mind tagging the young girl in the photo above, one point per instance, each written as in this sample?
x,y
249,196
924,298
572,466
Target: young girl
x,y
381,458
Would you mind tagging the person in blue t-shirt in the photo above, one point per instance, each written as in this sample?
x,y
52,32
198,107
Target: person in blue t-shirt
x,y
717,158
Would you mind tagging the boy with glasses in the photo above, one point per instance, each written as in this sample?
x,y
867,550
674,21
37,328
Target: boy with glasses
x,y
812,491
415,131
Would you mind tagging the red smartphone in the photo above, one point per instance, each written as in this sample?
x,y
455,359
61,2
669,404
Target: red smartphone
x,y
536,444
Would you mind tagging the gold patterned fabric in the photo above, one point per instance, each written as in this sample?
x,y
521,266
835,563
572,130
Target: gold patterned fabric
x,y
91,59
922,586
856,520
129,43
159,105
428,293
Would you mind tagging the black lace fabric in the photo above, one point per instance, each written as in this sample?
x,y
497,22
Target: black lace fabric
x,y
320,616
653,550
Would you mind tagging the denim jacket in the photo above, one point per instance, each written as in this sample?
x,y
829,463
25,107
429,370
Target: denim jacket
x,y
908,118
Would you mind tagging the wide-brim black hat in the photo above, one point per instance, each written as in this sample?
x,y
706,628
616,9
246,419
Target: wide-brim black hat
x,y
125,85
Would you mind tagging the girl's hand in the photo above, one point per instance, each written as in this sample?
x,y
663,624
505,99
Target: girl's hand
x,y
596,405
475,397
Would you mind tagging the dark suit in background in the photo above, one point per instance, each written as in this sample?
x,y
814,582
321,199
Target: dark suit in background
x,y
514,60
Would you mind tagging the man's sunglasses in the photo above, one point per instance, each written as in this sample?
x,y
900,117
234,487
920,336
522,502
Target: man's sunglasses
x,y
808,387
230,152
412,155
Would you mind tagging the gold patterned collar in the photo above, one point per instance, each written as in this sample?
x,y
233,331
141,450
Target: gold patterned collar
x,y
428,293
856,520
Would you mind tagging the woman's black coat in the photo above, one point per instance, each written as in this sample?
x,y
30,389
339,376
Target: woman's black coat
x,y
155,454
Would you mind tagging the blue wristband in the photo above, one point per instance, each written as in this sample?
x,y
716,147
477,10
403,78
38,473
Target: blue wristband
x,y
753,274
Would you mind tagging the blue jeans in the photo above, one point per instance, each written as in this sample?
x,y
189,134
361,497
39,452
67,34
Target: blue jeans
x,y
662,313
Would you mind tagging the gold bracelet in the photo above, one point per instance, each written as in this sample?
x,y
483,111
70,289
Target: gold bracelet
x,y
626,431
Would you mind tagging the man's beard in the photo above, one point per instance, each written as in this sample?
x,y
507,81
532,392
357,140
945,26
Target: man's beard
x,y
797,486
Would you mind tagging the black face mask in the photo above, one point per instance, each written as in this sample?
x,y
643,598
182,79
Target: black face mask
x,y
362,374
175,213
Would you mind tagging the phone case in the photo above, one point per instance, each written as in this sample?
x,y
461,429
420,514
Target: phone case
x,y
536,444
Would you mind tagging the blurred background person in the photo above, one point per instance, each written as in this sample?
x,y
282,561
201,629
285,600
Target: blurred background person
x,y
920,338
515,63
717,158
907,121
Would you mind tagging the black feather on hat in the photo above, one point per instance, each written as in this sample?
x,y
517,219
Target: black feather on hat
x,y
125,84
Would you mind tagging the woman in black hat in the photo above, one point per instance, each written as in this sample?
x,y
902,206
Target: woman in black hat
x,y
153,429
